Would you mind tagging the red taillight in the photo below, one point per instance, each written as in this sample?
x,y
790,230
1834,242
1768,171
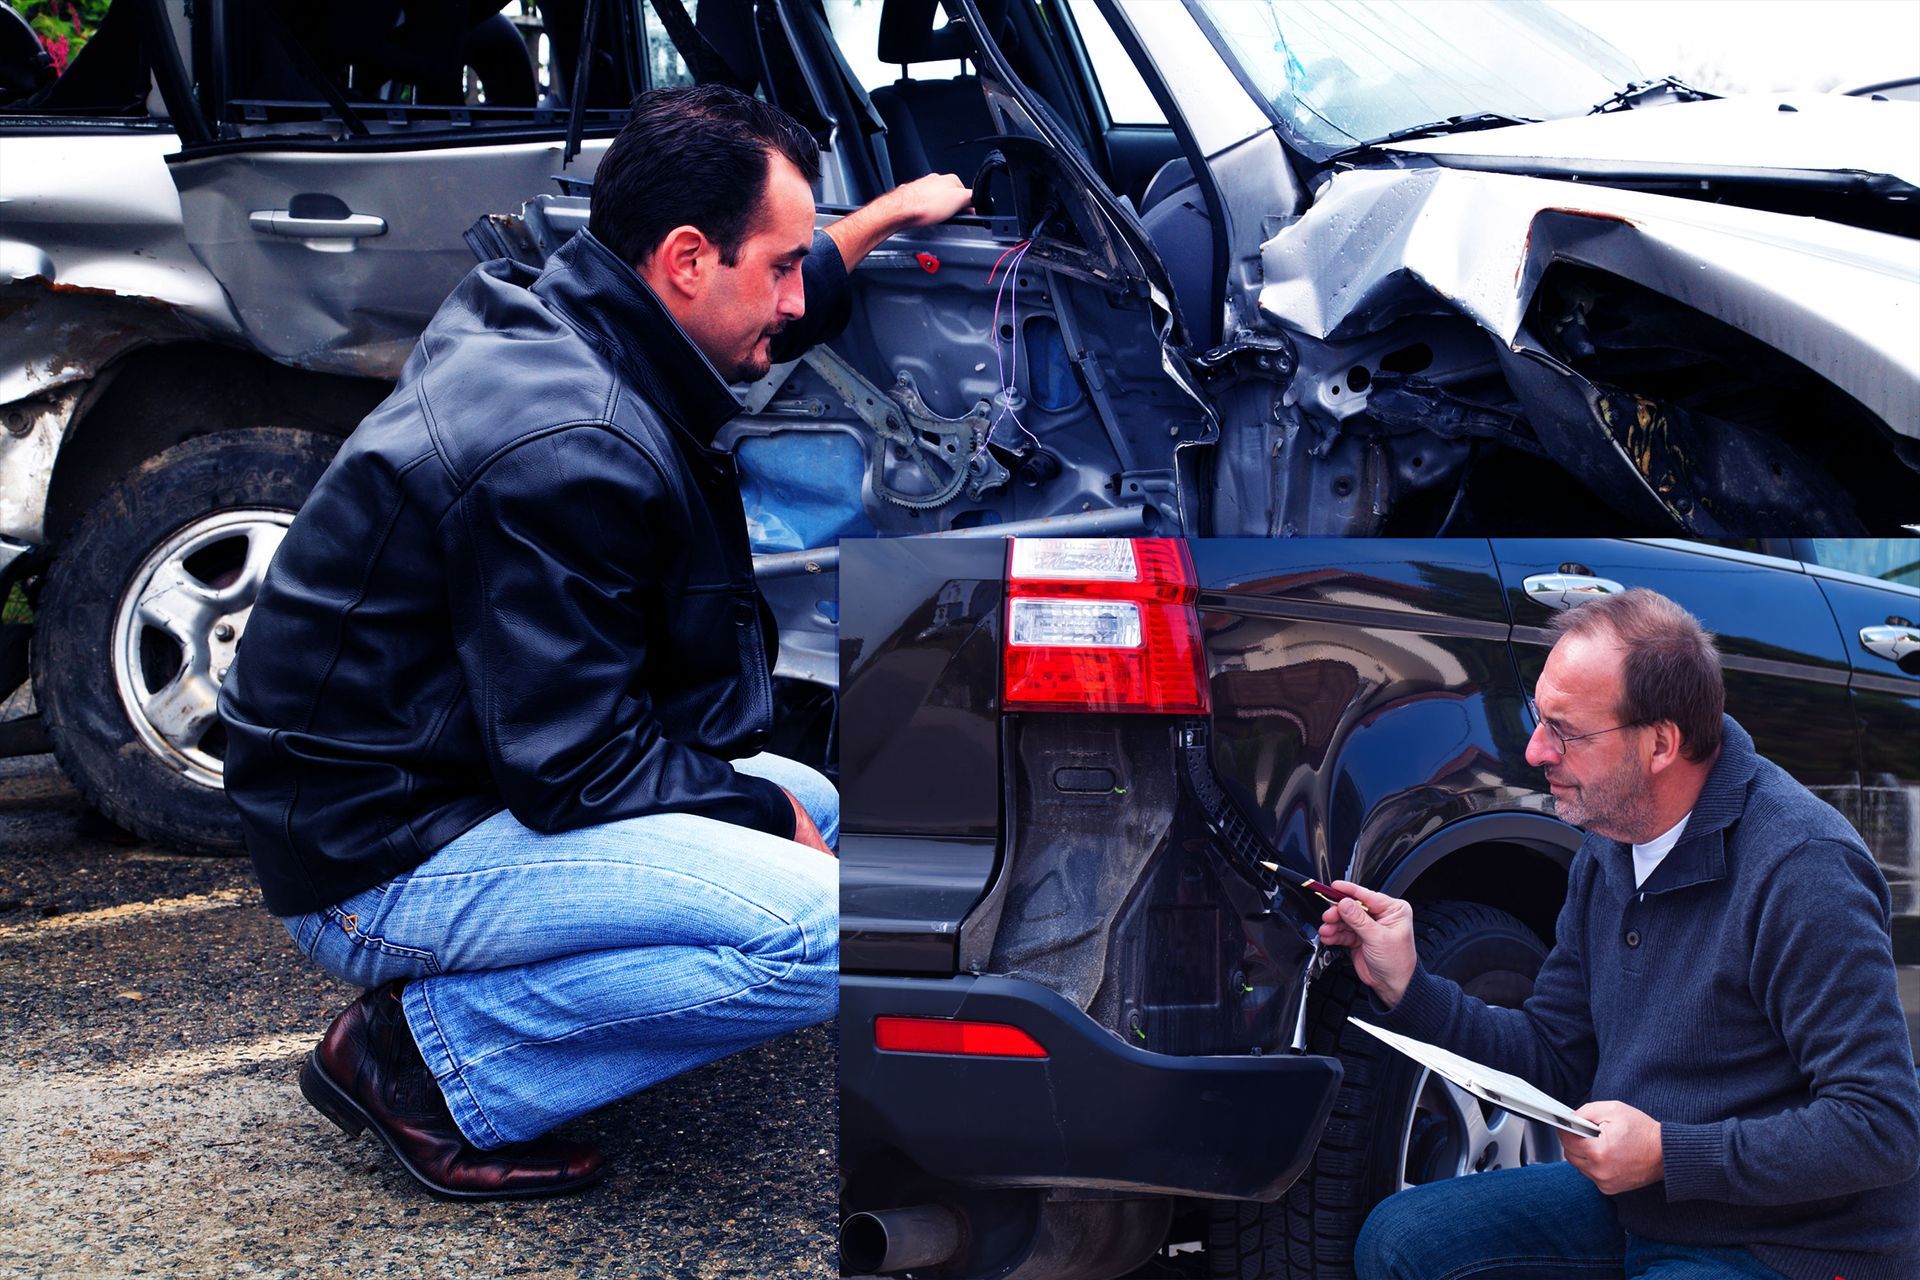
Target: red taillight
x,y
898,1034
1102,624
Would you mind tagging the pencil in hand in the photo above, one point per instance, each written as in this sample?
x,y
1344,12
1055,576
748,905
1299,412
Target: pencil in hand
x,y
1330,894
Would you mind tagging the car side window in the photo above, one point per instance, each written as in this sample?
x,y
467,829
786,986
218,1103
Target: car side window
x,y
75,59
666,65
400,66
1895,560
1128,100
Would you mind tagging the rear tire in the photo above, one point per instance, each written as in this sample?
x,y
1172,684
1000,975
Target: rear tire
x,y
140,616
1391,1122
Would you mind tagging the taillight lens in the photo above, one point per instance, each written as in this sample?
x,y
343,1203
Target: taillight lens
x,y
901,1034
1102,624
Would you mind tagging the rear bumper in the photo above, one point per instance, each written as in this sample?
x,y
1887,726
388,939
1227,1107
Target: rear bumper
x,y
1096,1112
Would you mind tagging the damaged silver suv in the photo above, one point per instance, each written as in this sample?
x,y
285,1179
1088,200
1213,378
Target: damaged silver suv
x,y
222,227
1237,267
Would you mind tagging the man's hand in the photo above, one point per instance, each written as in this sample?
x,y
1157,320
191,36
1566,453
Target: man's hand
x,y
919,203
1625,1156
1379,938
926,201
804,832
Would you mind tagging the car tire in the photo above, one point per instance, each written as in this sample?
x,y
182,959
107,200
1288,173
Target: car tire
x,y
139,618
1392,1122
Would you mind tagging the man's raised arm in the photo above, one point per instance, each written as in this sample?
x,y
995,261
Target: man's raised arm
x,y
924,202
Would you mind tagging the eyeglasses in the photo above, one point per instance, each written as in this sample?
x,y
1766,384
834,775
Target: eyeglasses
x,y
1562,741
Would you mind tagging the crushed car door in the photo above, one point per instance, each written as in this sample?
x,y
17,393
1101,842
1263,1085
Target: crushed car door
x,y
354,144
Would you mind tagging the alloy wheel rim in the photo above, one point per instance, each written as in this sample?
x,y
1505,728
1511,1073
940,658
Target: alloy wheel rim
x,y
1450,1133
178,627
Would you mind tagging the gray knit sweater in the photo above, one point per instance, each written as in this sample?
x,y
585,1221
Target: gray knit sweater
x,y
1745,999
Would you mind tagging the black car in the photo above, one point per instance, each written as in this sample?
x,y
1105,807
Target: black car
x,y
1086,1028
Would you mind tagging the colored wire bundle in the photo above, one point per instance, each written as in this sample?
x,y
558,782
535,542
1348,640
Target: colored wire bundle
x,y
1009,387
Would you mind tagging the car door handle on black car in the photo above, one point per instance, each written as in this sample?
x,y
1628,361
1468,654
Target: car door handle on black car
x,y
1897,642
1565,590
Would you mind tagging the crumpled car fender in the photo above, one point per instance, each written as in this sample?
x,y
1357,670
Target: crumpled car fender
x,y
93,265
94,259
1377,244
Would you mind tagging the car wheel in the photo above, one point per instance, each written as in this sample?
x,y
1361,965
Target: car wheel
x,y
1394,1124
140,617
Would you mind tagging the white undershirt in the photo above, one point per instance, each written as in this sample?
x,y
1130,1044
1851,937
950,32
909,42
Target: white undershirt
x,y
1648,856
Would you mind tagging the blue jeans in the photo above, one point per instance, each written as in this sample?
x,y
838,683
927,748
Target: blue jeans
x,y
548,975
1539,1222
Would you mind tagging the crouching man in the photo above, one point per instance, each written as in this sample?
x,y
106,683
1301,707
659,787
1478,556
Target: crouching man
x,y
1721,992
497,733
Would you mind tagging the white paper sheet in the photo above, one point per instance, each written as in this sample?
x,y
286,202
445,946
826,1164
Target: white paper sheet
x,y
1497,1087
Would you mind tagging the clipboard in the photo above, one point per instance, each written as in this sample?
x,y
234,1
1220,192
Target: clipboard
x,y
1509,1092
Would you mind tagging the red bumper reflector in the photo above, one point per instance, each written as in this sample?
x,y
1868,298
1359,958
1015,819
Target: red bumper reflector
x,y
898,1034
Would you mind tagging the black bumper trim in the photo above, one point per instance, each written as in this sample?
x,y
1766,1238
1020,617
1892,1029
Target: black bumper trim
x,y
1095,1113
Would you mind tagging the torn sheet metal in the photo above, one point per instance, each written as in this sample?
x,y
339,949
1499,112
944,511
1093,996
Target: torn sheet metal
x,y
93,259
1380,244
31,432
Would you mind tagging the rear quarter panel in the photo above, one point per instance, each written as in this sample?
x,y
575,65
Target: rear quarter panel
x,y
1363,696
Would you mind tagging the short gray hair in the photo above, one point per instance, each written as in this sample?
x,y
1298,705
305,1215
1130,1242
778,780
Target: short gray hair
x,y
1671,666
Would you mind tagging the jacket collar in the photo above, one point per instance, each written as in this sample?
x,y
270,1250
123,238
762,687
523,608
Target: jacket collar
x,y
1701,854
607,301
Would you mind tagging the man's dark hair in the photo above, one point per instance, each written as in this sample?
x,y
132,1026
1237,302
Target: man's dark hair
x,y
1671,669
693,157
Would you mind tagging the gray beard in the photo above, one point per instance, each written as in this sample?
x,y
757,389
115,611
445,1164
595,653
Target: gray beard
x,y
1619,808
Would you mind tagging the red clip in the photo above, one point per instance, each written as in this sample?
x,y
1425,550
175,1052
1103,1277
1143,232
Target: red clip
x,y
928,263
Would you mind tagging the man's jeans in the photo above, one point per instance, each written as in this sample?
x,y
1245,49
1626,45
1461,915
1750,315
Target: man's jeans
x,y
553,974
1541,1222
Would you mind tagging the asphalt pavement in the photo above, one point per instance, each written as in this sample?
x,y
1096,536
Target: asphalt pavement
x,y
152,1021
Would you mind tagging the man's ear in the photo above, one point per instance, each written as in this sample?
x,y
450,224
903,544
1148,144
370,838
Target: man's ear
x,y
1667,744
681,264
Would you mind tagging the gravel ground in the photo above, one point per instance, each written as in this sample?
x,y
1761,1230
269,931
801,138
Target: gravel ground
x,y
152,1019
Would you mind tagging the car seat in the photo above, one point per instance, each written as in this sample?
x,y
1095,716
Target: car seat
x,y
933,126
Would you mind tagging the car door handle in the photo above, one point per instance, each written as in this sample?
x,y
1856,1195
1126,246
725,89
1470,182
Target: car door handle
x,y
284,222
1891,642
1565,590
320,221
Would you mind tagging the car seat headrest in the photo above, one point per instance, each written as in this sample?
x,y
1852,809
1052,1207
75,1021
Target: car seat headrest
x,y
908,33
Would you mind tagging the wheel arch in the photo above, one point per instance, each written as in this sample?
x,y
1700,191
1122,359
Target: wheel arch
x,y
158,396
1516,862
1604,413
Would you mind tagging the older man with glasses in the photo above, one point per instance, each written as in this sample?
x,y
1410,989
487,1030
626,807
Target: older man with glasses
x,y
1721,992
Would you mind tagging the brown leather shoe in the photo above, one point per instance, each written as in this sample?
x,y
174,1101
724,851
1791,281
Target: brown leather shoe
x,y
368,1072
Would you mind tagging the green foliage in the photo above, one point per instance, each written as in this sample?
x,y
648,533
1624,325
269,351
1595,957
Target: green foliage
x,y
64,26
16,608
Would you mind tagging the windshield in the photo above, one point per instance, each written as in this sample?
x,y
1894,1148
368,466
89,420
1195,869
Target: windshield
x,y
1338,74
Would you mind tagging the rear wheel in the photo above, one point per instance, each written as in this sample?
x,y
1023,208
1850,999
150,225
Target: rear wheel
x,y
140,618
1394,1124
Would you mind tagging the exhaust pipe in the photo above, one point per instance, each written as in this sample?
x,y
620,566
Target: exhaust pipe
x,y
887,1241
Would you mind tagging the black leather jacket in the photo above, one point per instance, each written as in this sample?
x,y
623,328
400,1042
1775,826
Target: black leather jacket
x,y
524,583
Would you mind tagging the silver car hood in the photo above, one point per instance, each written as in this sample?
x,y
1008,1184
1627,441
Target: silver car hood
x,y
1773,136
1843,301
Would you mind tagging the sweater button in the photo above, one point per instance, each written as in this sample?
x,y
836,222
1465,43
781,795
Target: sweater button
x,y
1633,937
